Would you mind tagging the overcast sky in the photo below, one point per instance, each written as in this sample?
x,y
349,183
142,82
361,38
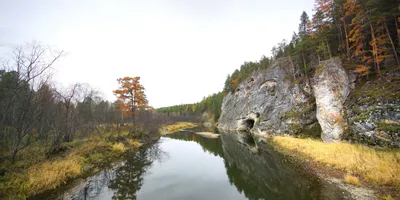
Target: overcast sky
x,y
182,49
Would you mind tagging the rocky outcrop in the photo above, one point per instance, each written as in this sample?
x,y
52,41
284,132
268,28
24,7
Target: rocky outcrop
x,y
271,101
277,101
331,87
374,112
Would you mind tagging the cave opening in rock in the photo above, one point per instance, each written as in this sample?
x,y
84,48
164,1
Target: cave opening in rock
x,y
250,123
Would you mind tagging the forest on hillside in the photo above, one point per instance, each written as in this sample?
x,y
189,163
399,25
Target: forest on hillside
x,y
365,34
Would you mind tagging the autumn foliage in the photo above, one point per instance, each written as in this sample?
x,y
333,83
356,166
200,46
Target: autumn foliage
x,y
369,34
131,95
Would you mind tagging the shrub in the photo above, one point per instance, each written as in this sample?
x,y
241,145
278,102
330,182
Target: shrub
x,y
350,179
118,147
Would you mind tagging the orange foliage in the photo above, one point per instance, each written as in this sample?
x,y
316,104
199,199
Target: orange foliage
x,y
132,96
362,70
235,82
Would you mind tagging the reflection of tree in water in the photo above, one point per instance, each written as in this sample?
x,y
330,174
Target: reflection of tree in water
x,y
129,177
90,188
212,145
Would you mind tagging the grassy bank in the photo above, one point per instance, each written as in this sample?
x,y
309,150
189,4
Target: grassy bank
x,y
172,128
35,173
379,167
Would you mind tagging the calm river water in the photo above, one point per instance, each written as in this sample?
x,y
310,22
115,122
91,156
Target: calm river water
x,y
185,165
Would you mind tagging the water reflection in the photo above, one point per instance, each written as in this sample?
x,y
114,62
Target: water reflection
x,y
260,172
210,145
119,181
232,166
129,177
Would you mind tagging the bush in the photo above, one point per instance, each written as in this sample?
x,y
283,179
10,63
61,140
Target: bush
x,y
118,147
350,179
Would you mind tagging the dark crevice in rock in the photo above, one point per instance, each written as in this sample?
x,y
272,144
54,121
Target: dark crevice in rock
x,y
250,123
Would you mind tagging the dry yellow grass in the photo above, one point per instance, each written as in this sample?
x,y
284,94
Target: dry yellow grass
x,y
50,174
89,146
134,143
35,174
376,166
350,179
172,128
118,147
388,197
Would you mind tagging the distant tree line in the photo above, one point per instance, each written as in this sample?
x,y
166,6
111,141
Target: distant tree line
x,y
211,105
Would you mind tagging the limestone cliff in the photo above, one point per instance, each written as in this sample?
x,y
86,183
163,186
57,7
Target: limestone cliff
x,y
278,101
272,101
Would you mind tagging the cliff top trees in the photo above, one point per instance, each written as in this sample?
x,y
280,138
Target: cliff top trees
x,y
132,95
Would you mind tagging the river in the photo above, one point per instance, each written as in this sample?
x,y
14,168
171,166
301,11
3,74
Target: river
x,y
185,165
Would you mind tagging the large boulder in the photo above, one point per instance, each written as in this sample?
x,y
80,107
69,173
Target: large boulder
x,y
331,88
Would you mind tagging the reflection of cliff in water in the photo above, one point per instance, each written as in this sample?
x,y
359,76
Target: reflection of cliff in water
x,y
265,174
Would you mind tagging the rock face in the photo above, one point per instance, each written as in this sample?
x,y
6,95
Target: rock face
x,y
275,101
375,124
331,88
272,101
375,121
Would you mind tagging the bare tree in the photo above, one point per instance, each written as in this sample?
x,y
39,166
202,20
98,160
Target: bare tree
x,y
30,65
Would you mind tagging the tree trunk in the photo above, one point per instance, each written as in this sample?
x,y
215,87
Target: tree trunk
x,y
347,40
294,71
14,155
329,49
133,110
304,63
398,30
391,42
374,42
375,49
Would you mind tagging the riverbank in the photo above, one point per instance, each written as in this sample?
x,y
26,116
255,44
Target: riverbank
x,y
172,128
361,166
35,173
